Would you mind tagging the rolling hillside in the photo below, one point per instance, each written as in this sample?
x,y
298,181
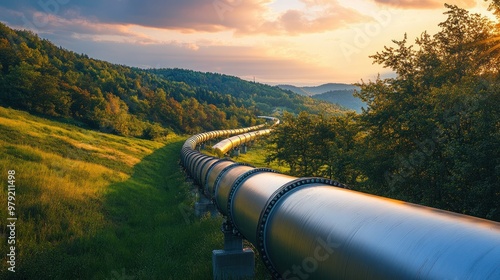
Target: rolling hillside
x,y
334,93
297,90
344,98
314,90
264,98
131,101
90,205
329,87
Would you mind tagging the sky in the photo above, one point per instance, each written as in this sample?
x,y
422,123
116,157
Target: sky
x,y
299,42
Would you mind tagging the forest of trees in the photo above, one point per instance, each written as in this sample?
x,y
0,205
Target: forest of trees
x,y
247,94
429,136
41,78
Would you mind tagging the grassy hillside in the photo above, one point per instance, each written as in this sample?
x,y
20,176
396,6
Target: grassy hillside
x,y
98,206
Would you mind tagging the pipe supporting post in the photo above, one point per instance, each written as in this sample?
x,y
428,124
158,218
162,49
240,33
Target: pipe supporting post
x,y
204,205
234,261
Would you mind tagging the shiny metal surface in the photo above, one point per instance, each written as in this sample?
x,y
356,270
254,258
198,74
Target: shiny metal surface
x,y
196,165
193,161
199,169
224,188
244,136
204,171
311,230
351,235
226,145
213,173
250,199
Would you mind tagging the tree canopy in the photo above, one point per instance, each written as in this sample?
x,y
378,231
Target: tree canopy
x,y
429,136
41,78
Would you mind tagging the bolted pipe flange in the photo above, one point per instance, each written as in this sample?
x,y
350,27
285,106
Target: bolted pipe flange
x,y
205,189
242,178
227,227
222,173
273,200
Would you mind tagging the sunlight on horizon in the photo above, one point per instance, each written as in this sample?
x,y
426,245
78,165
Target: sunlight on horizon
x,y
299,41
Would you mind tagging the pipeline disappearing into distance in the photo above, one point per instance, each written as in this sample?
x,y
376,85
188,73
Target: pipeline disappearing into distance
x,y
312,228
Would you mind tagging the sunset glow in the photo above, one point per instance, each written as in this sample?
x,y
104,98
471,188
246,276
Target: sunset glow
x,y
301,42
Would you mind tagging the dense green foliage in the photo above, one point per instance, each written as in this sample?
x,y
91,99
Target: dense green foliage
x,y
39,77
430,136
217,88
314,145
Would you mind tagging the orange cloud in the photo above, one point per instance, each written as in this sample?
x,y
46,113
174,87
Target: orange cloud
x,y
426,4
240,16
318,16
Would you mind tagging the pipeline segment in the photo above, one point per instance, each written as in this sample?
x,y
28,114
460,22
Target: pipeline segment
x,y
312,228
224,146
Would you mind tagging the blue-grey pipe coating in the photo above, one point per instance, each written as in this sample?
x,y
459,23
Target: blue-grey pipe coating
x,y
308,229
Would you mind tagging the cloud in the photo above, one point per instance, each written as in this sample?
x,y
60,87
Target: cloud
x,y
319,16
240,16
426,4
76,26
245,62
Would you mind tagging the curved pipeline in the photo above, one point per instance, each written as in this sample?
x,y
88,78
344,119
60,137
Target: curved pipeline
x,y
226,145
311,228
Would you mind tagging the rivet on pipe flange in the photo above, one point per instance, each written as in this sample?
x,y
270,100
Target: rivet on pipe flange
x,y
242,178
272,201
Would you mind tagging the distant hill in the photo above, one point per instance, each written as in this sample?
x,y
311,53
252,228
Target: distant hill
x,y
343,98
39,77
328,87
314,90
335,93
297,90
265,98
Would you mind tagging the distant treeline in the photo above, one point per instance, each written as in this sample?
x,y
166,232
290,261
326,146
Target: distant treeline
x,y
429,136
39,77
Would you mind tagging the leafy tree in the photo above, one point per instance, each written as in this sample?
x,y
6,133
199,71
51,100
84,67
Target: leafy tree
x,y
18,86
426,131
292,144
430,135
495,6
315,145
8,56
342,150
40,77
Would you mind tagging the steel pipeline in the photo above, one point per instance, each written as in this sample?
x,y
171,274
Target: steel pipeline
x,y
312,228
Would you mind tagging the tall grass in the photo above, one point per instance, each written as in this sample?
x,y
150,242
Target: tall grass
x,y
256,156
99,206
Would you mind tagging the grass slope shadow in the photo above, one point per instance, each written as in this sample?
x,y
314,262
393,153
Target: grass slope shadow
x,y
150,231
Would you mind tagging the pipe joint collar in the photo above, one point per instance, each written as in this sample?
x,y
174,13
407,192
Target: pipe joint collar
x,y
219,177
239,181
273,200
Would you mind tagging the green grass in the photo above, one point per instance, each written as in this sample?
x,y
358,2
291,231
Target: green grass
x,y
98,206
